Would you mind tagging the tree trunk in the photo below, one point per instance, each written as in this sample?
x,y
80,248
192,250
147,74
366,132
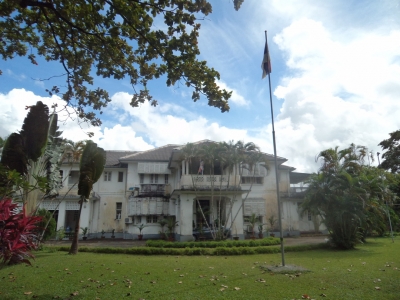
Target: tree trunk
x,y
74,245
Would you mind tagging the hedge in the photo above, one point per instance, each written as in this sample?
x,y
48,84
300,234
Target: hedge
x,y
270,241
196,250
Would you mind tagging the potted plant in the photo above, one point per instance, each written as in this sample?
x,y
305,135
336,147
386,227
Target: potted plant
x,y
272,220
236,237
260,230
60,234
84,232
113,236
171,224
162,223
140,227
254,219
102,234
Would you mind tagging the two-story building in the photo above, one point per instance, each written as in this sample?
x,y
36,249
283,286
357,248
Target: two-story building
x,y
143,187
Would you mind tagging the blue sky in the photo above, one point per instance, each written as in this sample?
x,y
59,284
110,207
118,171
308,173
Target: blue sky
x,y
335,80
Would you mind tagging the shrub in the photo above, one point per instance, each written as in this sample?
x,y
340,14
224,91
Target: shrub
x,y
50,230
18,233
214,244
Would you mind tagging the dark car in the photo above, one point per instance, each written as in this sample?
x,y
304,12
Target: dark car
x,y
208,233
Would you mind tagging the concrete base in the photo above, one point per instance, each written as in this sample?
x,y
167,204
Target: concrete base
x,y
285,233
285,269
184,238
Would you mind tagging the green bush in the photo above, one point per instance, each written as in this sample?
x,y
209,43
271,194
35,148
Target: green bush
x,y
189,251
51,228
214,244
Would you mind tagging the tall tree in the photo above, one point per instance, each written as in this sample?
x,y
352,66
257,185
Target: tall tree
x,y
116,39
91,167
392,155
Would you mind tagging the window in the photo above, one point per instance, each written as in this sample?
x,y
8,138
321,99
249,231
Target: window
x,y
166,178
151,178
138,219
250,180
151,219
141,176
107,176
156,178
120,176
118,211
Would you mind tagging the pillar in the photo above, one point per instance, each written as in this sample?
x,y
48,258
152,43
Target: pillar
x,y
237,227
186,218
61,215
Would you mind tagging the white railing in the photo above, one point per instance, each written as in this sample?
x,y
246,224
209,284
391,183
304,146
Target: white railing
x,y
209,181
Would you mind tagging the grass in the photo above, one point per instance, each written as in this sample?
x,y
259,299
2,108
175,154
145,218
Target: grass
x,y
336,274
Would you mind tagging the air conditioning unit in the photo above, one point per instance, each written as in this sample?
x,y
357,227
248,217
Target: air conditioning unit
x,y
128,220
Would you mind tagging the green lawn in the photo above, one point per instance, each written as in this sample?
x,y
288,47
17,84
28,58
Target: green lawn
x,y
370,272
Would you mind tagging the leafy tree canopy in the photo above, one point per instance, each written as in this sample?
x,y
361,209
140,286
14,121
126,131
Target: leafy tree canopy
x,y
349,195
392,154
112,39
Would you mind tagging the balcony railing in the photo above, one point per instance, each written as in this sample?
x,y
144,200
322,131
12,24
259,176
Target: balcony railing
x,y
153,190
294,192
208,182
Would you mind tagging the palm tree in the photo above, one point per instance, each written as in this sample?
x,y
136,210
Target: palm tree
x,y
342,194
73,151
92,164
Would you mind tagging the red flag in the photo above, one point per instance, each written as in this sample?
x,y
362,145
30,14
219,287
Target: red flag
x,y
266,63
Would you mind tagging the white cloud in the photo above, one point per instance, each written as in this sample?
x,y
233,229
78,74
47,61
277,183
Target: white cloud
x,y
236,98
170,123
14,111
165,124
337,92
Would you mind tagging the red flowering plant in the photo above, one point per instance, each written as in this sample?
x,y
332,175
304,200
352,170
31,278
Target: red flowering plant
x,y
17,233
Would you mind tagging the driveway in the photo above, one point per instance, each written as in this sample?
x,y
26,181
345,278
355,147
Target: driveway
x,y
121,243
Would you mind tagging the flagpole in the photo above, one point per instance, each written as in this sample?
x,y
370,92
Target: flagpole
x,y
276,161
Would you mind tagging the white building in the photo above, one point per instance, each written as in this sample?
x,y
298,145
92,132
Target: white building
x,y
143,187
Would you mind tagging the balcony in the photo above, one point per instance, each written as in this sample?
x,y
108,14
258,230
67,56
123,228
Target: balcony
x,y
140,206
208,182
294,192
154,190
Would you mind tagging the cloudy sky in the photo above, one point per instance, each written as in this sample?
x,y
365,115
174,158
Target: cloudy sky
x,y
335,81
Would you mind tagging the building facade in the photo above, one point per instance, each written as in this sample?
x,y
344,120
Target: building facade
x,y
147,186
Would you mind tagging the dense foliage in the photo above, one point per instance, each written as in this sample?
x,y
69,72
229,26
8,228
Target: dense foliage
x,y
112,39
91,167
349,196
392,155
18,233
198,251
31,158
48,224
214,244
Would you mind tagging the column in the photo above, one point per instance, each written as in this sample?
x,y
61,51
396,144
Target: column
x,y
237,227
61,215
186,218
183,167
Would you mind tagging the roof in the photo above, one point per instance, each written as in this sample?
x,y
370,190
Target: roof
x,y
158,154
113,156
296,177
284,167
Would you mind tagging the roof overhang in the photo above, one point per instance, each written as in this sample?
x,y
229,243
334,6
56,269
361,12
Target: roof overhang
x,y
296,177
